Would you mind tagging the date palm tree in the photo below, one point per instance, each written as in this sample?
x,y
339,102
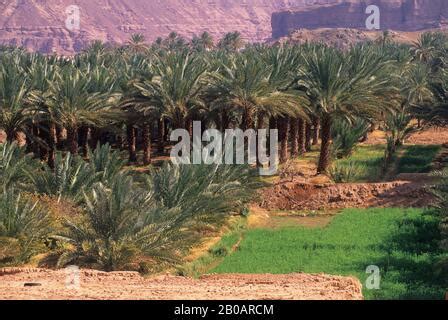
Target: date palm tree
x,y
137,43
429,49
78,98
231,42
14,90
137,112
203,42
244,85
179,80
348,84
42,73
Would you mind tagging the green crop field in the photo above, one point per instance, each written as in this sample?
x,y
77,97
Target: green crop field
x,y
401,242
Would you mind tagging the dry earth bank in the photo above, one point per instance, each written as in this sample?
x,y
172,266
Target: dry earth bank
x,y
51,285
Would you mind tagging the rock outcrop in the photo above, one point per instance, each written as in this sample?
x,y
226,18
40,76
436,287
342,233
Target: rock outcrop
x,y
40,25
400,15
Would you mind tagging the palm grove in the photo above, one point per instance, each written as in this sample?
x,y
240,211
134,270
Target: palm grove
x,y
79,114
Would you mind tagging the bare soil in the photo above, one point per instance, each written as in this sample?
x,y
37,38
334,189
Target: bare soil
x,y
298,188
427,136
274,219
51,285
302,196
430,136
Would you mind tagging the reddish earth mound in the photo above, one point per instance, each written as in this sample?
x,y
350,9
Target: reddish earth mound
x,y
48,284
302,196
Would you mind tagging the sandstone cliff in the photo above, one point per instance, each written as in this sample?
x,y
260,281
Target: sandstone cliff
x,y
40,24
402,15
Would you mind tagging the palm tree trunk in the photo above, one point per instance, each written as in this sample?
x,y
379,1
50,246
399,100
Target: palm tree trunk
x,y
294,138
94,138
308,133
12,136
130,130
272,126
225,120
316,125
146,145
29,139
120,141
189,126
72,135
325,152
302,136
248,119
52,141
36,134
283,133
261,125
104,137
168,125
83,139
161,134
43,142
59,137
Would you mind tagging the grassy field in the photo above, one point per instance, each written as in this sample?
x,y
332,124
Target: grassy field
x,y
401,242
367,161
417,159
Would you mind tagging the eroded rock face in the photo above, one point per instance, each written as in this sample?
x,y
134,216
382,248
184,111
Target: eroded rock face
x,y
40,25
401,15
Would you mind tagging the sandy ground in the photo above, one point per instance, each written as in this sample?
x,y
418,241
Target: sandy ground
x,y
44,284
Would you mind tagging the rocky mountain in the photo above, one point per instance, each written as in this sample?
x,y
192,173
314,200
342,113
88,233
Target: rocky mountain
x,y
40,24
400,15
344,38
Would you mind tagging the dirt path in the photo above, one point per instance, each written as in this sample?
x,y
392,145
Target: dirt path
x,y
49,285
274,219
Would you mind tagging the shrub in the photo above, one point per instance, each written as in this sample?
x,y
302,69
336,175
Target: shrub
x,y
346,135
128,223
23,228
106,162
70,176
199,188
13,166
399,127
345,172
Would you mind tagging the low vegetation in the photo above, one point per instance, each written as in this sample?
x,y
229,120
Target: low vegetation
x,y
126,220
365,164
403,243
417,159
